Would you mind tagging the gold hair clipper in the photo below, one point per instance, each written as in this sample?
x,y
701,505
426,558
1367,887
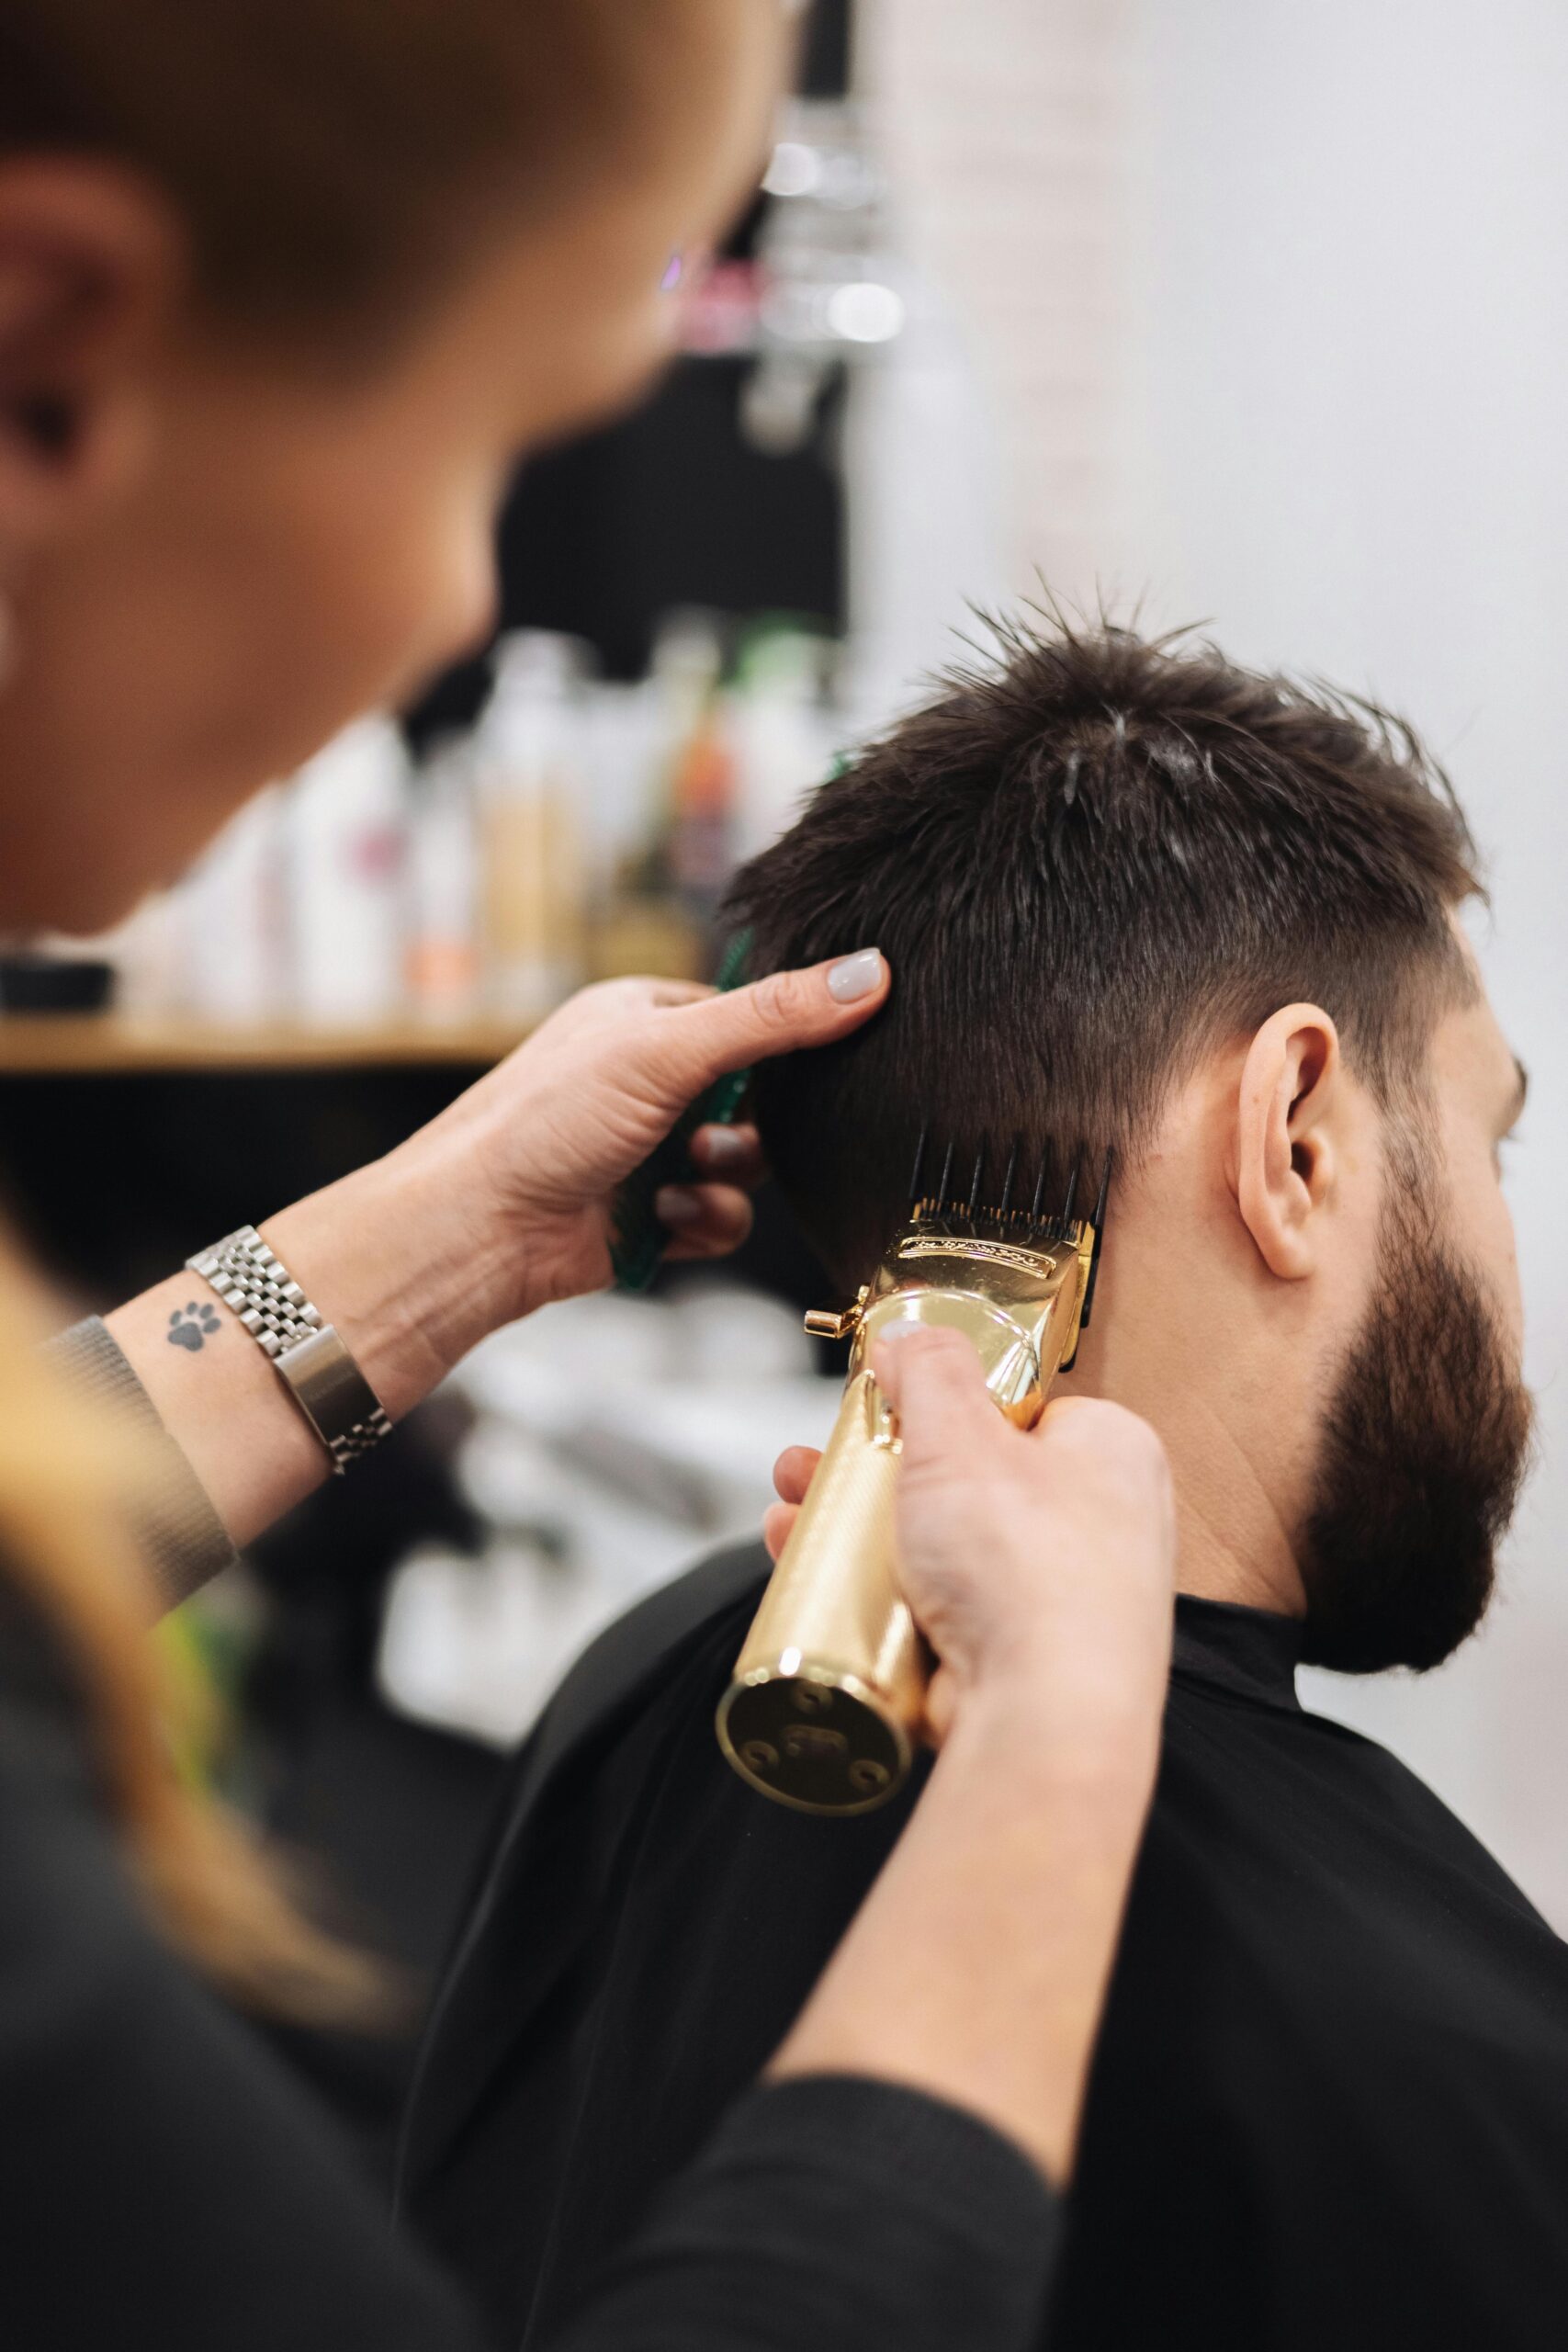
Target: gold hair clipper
x,y
828,1696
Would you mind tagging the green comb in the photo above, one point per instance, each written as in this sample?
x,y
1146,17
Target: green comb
x,y
636,1238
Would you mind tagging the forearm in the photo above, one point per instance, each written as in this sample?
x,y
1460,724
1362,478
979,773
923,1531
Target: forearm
x,y
976,1968
504,1201
388,1266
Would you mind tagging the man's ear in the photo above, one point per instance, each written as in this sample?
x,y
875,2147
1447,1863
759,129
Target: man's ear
x,y
91,272
1291,1086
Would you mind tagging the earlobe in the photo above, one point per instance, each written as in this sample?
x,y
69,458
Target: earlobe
x,y
90,274
1284,1147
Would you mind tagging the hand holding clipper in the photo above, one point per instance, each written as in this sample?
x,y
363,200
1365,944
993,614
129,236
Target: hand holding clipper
x,y
827,1698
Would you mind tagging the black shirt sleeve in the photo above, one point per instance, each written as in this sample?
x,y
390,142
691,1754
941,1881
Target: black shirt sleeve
x,y
164,2183
843,2214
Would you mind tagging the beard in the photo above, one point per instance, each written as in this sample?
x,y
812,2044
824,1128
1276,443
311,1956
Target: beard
x,y
1425,1446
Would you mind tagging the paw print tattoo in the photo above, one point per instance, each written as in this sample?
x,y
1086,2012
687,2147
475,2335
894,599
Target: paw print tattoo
x,y
191,1324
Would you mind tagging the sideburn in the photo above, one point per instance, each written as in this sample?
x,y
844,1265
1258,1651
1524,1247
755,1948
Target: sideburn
x,y
1424,1447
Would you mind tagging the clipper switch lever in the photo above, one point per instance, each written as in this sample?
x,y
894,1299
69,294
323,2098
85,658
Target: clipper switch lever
x,y
834,1322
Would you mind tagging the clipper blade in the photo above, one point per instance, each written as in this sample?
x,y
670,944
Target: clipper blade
x,y
991,1191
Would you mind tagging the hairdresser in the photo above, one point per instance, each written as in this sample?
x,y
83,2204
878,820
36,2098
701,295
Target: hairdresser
x,y
285,287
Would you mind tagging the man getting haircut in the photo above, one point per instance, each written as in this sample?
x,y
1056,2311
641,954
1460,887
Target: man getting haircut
x,y
1133,896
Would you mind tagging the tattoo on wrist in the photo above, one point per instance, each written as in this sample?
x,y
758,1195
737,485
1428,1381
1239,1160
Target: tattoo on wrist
x,y
192,1325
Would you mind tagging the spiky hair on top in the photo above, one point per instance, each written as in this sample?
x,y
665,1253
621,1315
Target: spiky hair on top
x,y
1090,859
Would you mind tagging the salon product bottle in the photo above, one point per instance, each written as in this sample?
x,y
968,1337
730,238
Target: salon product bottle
x,y
526,768
231,919
686,863
702,808
779,729
442,960
347,822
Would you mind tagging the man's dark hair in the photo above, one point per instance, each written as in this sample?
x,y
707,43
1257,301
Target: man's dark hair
x,y
1090,862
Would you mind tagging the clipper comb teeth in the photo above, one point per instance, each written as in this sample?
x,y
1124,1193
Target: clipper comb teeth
x,y
961,1211
965,1202
1098,1223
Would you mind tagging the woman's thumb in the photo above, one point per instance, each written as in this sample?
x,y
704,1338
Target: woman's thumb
x,y
932,1379
702,1042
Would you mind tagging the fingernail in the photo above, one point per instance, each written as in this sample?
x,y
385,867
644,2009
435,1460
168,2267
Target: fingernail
x,y
672,1204
721,1146
905,1330
855,976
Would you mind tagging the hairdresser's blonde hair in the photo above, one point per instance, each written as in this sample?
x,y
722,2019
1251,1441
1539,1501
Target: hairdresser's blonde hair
x,y
69,1485
332,156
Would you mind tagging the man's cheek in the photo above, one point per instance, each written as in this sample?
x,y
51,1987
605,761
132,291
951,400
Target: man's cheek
x,y
1503,1285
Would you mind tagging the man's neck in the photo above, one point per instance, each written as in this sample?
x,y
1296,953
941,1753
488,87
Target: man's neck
x,y
1235,1409
1233,1541
1210,1566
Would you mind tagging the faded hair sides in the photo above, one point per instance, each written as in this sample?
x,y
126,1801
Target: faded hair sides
x,y
1089,859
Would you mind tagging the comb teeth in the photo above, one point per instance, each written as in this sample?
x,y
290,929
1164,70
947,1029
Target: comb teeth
x,y
1098,1238
1029,1225
931,1186
1040,1185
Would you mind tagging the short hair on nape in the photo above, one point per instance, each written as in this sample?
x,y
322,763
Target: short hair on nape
x,y
1092,857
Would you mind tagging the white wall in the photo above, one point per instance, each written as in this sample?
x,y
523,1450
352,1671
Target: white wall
x,y
1349,289
1271,303
1000,126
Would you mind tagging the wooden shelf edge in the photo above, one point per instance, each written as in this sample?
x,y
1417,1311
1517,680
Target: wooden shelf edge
x,y
109,1044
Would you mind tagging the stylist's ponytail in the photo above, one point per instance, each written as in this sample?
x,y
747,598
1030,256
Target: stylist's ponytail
x,y
69,1482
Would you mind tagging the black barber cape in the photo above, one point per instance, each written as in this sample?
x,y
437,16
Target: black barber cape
x,y
1329,2108
165,2187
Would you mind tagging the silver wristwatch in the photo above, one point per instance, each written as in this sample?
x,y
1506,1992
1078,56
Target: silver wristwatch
x,y
307,1354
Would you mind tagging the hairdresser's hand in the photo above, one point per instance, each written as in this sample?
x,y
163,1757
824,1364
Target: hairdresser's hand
x,y
548,1135
504,1202
1040,1565
500,1204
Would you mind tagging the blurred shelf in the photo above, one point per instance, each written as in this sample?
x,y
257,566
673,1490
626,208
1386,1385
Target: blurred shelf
x,y
108,1044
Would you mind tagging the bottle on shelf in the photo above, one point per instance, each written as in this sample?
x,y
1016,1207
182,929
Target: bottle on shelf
x,y
347,823
783,740
667,890
443,951
526,780
232,920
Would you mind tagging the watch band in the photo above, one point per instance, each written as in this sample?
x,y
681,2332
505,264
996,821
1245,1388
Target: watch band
x,y
307,1354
